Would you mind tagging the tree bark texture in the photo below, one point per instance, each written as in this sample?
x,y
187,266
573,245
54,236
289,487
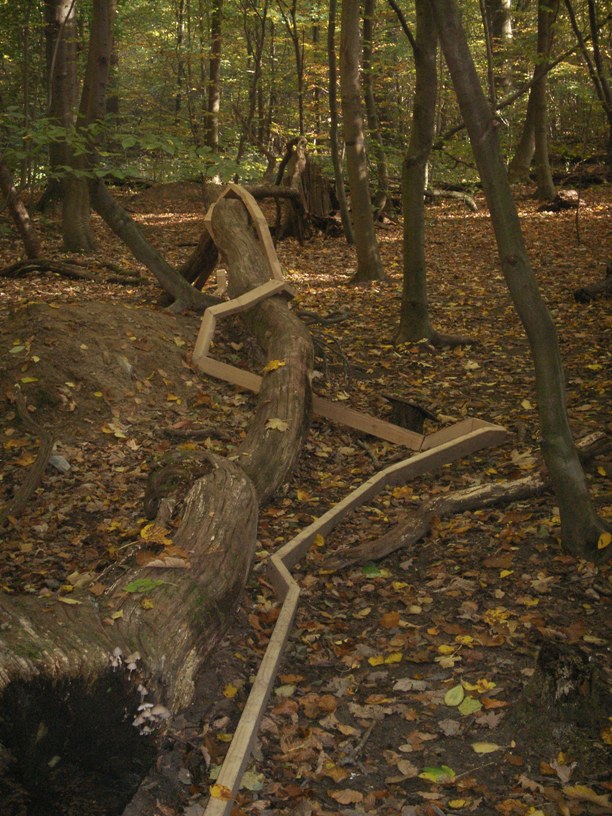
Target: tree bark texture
x,y
347,226
214,76
414,314
580,525
547,13
376,140
369,264
19,213
162,645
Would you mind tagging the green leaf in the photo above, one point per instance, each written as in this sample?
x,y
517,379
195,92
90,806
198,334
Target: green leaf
x,y
143,585
371,569
469,706
454,696
439,775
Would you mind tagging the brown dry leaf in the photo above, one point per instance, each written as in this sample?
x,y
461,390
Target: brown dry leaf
x,y
346,796
169,563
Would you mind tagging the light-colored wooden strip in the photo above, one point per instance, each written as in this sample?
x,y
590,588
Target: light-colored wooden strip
x,y
450,432
229,373
262,229
244,737
205,335
398,473
366,423
231,307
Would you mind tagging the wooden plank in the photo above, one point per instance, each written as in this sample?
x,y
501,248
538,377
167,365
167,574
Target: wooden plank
x,y
231,307
367,423
229,373
398,473
448,433
244,737
261,227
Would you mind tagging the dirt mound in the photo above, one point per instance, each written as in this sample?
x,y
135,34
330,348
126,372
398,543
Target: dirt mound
x,y
109,383
86,363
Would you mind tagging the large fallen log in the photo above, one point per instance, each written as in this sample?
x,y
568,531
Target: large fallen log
x,y
75,671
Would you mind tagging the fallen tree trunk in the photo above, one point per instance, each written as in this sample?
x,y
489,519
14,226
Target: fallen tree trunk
x,y
599,289
418,524
74,670
19,213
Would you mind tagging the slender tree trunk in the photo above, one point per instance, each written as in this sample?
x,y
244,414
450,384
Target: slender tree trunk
x,y
534,136
333,124
378,149
580,525
260,37
414,315
61,34
594,65
214,76
547,13
19,213
369,265
520,165
499,18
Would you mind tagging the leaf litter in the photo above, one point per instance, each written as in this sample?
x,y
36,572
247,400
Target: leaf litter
x,y
399,675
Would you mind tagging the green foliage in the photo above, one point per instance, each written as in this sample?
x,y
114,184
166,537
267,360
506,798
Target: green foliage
x,y
161,84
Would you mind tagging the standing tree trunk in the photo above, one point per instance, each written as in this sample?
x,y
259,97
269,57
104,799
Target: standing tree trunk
x,y
414,315
333,124
214,77
594,64
547,13
369,265
289,15
381,197
499,18
580,525
534,136
61,34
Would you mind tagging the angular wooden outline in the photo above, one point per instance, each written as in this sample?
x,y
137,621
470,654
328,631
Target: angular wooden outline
x,y
259,222
434,450
288,591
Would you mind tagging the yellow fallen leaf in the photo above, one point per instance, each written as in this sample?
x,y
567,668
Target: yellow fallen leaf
x,y
454,696
70,601
147,603
230,691
29,379
220,792
277,424
604,540
585,794
155,533
526,405
272,365
394,657
485,747
376,660
445,650
117,615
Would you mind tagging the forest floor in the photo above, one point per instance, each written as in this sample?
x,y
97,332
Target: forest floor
x,y
360,720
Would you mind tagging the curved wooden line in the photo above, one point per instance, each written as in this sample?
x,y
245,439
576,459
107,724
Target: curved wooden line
x,y
259,221
288,592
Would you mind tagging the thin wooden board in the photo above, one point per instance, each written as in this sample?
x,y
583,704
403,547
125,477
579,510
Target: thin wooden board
x,y
259,221
242,743
398,473
231,307
288,591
